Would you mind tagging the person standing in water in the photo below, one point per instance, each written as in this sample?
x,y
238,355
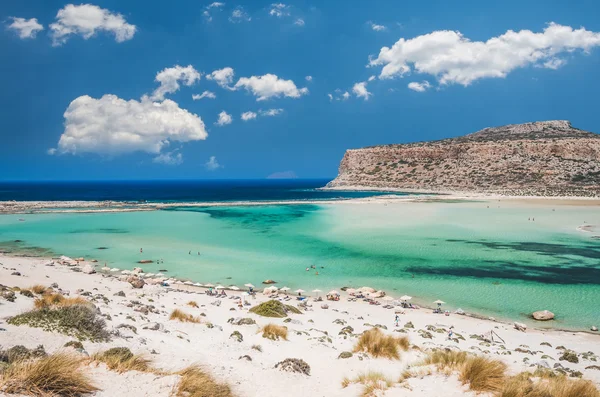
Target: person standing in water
x,y
141,250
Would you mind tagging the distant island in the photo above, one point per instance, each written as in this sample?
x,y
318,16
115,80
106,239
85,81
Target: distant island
x,y
544,158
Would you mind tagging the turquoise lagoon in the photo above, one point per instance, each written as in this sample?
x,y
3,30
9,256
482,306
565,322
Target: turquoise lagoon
x,y
484,257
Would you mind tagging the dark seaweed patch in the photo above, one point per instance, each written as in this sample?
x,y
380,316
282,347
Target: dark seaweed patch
x,y
107,230
587,251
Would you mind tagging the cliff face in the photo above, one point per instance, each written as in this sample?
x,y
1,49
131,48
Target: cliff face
x,y
548,158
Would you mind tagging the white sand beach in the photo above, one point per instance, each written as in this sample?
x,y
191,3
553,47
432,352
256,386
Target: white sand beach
x,y
314,336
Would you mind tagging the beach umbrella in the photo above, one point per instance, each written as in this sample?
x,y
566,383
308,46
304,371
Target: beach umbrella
x,y
219,287
299,291
333,292
439,302
198,284
188,283
272,288
115,269
316,291
405,298
249,285
285,289
234,288
209,285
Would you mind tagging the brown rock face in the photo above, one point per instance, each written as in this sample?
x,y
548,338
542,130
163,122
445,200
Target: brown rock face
x,y
548,158
136,282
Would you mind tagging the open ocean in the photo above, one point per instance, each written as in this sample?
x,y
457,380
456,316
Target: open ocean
x,y
485,257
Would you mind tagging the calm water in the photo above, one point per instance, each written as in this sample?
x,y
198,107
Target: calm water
x,y
478,256
169,191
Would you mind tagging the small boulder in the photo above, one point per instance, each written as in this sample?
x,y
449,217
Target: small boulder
x,y
543,315
137,270
345,355
236,336
88,269
15,274
269,281
136,282
243,321
520,326
294,365
594,328
153,326
120,293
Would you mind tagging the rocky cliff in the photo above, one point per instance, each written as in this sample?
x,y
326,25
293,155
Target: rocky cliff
x,y
546,158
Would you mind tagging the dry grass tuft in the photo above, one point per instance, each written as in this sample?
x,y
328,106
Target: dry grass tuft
x,y
56,375
121,359
274,332
38,289
374,383
376,343
193,304
183,317
483,374
446,360
58,300
197,383
522,385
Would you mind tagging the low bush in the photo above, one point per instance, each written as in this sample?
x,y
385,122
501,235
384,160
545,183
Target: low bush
x,y
121,359
274,308
374,383
192,304
274,332
58,300
378,344
38,289
483,374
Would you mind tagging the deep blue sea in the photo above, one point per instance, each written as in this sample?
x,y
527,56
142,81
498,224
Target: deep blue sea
x,y
176,190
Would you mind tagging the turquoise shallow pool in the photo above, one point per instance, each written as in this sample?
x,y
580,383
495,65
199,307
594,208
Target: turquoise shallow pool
x,y
485,257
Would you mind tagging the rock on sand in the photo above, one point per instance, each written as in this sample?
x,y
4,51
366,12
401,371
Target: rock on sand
x,y
543,315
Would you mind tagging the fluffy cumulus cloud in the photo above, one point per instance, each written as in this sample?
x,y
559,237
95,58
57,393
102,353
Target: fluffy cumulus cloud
x,y
248,116
205,94
87,19
111,125
169,158
308,78
270,86
454,59
419,87
224,119
223,77
25,28
212,164
376,27
169,79
216,5
360,90
239,15
271,112
279,10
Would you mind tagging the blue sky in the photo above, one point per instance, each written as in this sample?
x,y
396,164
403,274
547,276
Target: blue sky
x,y
148,129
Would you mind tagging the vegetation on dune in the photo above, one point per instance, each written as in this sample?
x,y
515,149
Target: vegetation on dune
x,y
192,304
79,321
483,374
378,344
184,317
446,360
374,383
197,383
274,332
121,359
55,375
274,308
38,289
546,384
58,300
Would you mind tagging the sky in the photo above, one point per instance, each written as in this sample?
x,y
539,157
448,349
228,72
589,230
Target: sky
x,y
255,89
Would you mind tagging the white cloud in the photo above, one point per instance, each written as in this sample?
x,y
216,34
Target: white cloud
x,y
111,125
86,20
169,158
283,175
248,116
454,59
25,28
222,77
271,112
216,4
299,22
224,119
212,164
377,28
279,10
360,90
169,79
308,78
371,78
345,95
205,94
239,15
419,87
270,86
330,97
554,63
51,151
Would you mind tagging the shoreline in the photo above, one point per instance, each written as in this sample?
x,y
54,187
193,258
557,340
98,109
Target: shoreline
x,y
314,336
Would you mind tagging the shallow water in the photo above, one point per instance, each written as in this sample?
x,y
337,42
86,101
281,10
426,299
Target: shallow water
x,y
485,257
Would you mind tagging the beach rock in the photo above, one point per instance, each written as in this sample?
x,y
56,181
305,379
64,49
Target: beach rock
x,y
345,355
294,365
15,274
94,260
137,270
236,336
153,326
520,326
136,282
543,315
120,293
88,269
243,321
145,261
9,295
460,311
594,328
269,282
27,293
409,325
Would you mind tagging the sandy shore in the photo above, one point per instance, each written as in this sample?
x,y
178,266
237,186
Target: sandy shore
x,y
314,337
